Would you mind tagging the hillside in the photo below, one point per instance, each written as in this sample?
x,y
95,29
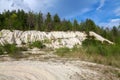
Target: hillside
x,y
54,39
20,61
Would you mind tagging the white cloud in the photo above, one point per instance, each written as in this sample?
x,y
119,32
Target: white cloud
x,y
27,5
111,23
102,2
117,11
40,5
115,20
13,5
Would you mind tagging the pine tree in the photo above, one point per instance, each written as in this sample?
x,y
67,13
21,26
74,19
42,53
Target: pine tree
x,y
48,22
40,21
56,22
31,21
75,25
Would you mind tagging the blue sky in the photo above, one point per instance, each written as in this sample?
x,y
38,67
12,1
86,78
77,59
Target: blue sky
x,y
103,12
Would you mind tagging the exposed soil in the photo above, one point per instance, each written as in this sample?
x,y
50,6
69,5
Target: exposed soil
x,y
34,68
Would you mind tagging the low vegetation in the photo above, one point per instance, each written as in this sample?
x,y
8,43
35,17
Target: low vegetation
x,y
37,44
95,51
11,50
63,51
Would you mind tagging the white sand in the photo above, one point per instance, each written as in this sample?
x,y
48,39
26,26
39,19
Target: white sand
x,y
57,70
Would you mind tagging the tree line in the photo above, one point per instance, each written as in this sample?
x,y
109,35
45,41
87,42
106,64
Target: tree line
x,y
21,20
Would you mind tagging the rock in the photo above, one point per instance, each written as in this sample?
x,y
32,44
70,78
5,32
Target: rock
x,y
57,38
100,38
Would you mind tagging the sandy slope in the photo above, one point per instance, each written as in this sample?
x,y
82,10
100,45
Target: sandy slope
x,y
53,39
55,70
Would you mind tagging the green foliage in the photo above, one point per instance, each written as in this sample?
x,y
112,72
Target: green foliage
x,y
56,19
2,50
95,51
88,42
48,22
75,25
56,22
110,54
31,21
88,25
95,47
37,44
39,21
11,50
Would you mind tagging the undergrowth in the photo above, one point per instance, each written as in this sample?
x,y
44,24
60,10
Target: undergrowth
x,y
94,51
11,50
38,44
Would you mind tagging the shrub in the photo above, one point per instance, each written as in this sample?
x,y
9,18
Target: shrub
x,y
1,50
37,44
94,46
89,42
11,50
95,51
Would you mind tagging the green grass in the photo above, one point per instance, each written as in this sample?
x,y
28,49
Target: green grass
x,y
11,50
94,51
2,50
15,52
37,44
95,47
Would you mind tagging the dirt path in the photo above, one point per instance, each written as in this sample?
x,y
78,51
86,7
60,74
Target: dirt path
x,y
56,70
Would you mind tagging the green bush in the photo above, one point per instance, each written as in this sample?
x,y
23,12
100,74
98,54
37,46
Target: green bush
x,y
1,50
37,44
89,42
95,47
95,51
8,49
11,50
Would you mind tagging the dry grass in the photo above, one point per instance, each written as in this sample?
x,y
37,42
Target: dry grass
x,y
82,54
